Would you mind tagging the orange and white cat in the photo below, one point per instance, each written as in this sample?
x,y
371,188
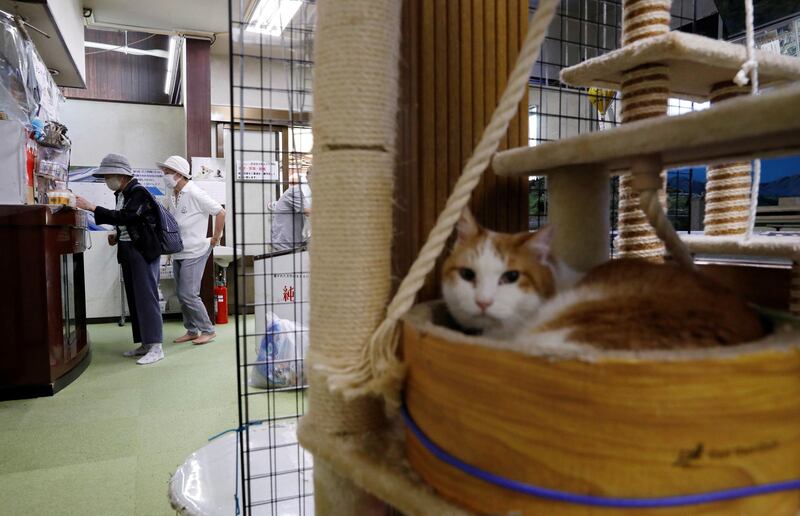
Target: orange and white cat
x,y
510,286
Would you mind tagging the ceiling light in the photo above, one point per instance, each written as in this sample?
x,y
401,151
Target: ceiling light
x,y
271,17
172,63
128,50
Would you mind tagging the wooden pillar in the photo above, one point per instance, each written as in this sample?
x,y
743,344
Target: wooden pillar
x,y
455,61
198,98
197,103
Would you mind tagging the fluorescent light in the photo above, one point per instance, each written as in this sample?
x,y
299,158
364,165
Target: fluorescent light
x,y
130,50
271,17
172,59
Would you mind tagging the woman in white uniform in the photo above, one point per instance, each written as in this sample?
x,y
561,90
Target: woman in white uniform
x,y
191,206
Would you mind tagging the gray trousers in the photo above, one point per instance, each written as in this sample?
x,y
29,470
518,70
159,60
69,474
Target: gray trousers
x,y
141,289
188,276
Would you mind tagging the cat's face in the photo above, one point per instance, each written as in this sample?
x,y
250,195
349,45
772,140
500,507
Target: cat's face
x,y
495,282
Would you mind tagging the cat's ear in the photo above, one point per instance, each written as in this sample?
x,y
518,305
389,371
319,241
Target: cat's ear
x,y
540,243
467,227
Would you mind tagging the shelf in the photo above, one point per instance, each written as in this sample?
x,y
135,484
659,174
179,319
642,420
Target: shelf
x,y
738,129
62,48
695,62
377,464
767,246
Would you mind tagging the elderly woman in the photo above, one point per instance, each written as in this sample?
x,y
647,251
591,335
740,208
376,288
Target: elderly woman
x,y
191,206
136,218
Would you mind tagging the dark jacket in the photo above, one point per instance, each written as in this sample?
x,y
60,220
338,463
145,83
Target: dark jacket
x,y
139,215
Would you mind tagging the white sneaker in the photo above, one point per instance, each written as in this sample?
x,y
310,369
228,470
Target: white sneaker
x,y
155,354
138,352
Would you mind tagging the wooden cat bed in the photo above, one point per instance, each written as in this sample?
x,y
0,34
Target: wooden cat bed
x,y
609,424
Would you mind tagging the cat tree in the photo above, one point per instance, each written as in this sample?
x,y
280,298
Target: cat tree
x,y
587,427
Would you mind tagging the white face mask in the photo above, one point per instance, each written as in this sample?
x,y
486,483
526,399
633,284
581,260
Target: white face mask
x,y
114,183
170,180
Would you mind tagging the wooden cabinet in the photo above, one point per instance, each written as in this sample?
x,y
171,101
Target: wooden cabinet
x,y
42,309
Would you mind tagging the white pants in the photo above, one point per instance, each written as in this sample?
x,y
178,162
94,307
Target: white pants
x,y
188,277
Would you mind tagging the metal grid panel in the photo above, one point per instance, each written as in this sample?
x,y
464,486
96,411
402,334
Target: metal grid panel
x,y
584,29
269,140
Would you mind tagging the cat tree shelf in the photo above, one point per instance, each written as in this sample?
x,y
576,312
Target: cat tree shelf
x,y
695,62
761,246
377,465
738,129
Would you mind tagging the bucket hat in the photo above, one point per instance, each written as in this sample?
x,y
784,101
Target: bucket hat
x,y
114,164
177,164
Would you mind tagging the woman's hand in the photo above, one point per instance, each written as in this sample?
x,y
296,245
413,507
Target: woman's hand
x,y
112,239
84,204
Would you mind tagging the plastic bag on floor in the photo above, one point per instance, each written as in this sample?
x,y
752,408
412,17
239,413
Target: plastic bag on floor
x,y
280,355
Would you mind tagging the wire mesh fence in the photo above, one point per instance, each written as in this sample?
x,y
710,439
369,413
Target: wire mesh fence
x,y
268,137
268,140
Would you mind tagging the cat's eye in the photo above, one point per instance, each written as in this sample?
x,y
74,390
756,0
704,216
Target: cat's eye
x,y
509,277
466,274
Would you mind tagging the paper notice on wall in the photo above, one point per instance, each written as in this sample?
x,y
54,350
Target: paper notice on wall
x,y
773,46
209,169
152,179
257,171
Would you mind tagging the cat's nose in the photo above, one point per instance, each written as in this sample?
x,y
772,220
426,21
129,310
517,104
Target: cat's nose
x,y
483,304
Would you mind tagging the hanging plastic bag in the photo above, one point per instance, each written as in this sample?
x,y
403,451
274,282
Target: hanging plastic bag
x,y
280,355
18,101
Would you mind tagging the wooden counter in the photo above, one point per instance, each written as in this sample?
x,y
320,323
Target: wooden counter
x,y
43,310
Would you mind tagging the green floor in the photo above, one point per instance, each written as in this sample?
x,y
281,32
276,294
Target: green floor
x,y
107,444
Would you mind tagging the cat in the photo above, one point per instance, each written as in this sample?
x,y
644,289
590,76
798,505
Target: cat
x,y
512,287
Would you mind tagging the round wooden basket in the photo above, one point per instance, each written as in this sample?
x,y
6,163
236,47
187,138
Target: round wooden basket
x,y
607,424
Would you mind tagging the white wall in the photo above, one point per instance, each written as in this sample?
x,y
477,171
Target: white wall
x,y
563,113
143,133
254,224
263,74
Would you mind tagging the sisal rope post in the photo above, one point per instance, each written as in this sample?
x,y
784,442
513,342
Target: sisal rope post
x,y
356,91
645,93
728,185
379,370
643,19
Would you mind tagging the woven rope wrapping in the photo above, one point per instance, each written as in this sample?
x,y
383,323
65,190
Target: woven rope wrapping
x,y
728,185
379,371
335,415
354,108
645,90
642,19
355,105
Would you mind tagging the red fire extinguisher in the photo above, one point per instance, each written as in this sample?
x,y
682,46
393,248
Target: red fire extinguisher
x,y
221,295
